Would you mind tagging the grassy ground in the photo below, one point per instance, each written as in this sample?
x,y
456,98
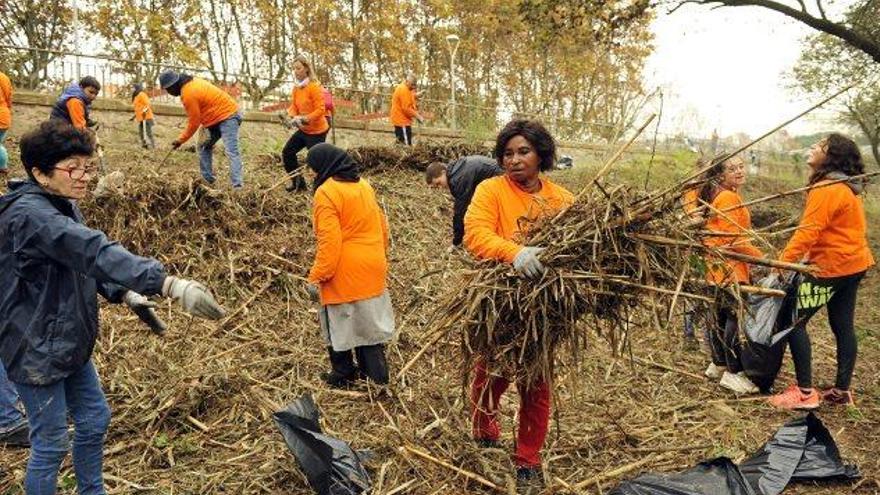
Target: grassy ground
x,y
611,411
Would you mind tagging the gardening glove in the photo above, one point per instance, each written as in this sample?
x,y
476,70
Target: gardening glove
x,y
175,144
314,292
193,297
143,308
527,263
299,121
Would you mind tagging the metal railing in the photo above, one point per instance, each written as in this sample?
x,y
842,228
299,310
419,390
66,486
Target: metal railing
x,y
52,70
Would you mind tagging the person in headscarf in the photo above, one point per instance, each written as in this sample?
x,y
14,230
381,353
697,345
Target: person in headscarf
x,y
143,115
348,275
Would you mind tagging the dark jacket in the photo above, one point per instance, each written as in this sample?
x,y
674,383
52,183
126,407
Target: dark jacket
x,y
59,111
463,176
51,269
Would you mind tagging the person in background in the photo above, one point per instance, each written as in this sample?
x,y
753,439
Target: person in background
x,y
690,202
5,124
492,231
461,177
348,276
210,107
403,110
54,269
75,103
727,216
143,115
832,238
307,113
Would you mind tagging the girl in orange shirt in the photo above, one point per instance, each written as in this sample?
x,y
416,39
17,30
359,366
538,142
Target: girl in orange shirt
x,y
720,190
350,269
832,236
308,114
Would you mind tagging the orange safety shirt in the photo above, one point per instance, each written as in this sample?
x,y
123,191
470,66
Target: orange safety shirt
x,y
5,102
493,220
832,234
403,106
142,102
352,234
736,222
309,102
77,111
205,105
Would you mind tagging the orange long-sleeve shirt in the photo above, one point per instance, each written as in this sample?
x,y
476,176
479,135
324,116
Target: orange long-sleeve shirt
x,y
832,234
736,222
492,222
5,102
352,234
403,106
142,109
309,101
205,105
77,111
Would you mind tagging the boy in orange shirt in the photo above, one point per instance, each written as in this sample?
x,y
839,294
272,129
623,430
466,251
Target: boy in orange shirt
x,y
832,237
75,103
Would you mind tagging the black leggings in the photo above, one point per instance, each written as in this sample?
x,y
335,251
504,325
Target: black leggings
x,y
839,294
724,341
295,144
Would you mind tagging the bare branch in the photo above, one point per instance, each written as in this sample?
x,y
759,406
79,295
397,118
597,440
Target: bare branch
x,y
821,9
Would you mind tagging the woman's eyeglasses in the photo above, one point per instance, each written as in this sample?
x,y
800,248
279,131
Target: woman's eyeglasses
x,y
80,169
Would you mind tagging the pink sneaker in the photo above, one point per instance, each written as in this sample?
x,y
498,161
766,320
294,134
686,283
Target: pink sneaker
x,y
793,398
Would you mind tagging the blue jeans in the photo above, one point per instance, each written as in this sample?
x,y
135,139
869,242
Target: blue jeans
x,y
228,130
47,407
4,156
10,416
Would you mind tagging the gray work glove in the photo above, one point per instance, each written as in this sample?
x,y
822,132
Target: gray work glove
x,y
527,263
143,308
193,297
314,292
298,121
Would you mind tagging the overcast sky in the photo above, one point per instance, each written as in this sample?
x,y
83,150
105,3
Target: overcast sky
x,y
727,69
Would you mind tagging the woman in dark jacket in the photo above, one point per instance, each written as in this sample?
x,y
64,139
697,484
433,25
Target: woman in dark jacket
x,y
53,267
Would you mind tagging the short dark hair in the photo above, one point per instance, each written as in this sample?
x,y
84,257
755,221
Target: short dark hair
x,y
89,82
52,141
434,170
535,133
841,155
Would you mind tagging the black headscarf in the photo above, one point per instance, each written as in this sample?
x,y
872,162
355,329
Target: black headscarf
x,y
136,89
328,161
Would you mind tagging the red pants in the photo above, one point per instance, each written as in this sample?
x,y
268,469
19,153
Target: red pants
x,y
534,414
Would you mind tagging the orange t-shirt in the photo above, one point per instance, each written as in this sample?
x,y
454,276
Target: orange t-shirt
x,y
142,102
352,234
5,102
735,222
309,101
832,234
205,105
77,111
403,106
492,222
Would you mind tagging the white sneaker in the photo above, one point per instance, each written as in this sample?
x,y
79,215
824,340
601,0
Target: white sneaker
x,y
739,383
714,372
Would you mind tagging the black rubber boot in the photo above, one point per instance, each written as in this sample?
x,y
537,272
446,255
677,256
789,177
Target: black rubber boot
x,y
343,371
371,360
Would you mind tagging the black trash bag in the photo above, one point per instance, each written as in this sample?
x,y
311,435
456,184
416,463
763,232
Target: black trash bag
x,y
767,324
718,476
330,465
802,450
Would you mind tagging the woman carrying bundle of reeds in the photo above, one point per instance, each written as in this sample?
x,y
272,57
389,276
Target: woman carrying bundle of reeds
x,y
728,222
350,268
832,237
53,268
500,208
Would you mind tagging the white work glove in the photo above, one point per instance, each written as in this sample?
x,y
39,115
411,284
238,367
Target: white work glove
x,y
299,121
143,308
314,292
527,263
193,297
